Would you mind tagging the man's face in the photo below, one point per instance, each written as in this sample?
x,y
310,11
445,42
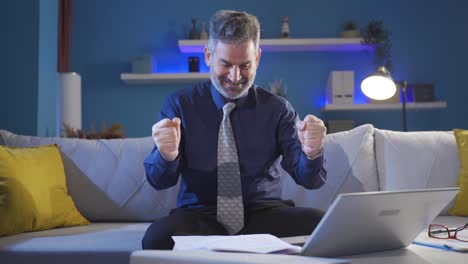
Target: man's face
x,y
233,67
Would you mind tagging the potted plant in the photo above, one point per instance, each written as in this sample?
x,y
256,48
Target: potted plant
x,y
349,30
376,35
114,131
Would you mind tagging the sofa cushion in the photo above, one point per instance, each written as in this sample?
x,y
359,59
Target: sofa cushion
x,y
36,192
350,165
106,178
460,207
92,244
416,160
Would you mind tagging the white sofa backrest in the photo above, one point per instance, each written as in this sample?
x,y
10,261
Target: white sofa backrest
x,y
350,164
107,181
106,178
416,160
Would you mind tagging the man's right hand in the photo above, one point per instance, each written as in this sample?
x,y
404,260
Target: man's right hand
x,y
166,136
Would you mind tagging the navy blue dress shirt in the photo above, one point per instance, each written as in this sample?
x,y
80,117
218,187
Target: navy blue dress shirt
x,y
264,129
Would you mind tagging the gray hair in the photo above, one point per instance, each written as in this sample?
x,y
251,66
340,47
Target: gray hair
x,y
233,27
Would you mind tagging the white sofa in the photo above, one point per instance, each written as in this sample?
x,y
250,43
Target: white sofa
x,y
106,180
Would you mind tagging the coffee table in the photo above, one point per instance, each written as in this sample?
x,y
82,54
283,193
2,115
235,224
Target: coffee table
x,y
413,254
209,257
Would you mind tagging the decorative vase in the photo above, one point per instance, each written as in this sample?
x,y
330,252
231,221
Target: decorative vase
x,y
350,34
68,101
203,33
194,33
285,27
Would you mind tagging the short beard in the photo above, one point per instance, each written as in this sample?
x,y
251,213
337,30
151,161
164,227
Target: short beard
x,y
217,84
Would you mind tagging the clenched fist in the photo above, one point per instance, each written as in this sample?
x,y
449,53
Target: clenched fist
x,y
166,136
311,133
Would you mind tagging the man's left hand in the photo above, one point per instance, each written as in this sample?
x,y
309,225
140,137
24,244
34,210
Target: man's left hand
x,y
311,133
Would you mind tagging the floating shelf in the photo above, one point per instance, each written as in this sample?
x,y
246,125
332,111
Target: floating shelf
x,y
289,45
420,105
154,78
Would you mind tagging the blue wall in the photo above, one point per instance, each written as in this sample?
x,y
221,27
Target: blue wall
x,y
47,67
29,72
19,104
429,45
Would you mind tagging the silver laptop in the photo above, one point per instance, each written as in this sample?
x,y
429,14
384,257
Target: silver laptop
x,y
375,221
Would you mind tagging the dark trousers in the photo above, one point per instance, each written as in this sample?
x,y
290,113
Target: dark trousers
x,y
278,218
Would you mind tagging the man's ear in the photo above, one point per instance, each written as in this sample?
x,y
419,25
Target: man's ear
x,y
207,56
259,55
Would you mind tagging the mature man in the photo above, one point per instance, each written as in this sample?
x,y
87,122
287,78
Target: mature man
x,y
223,137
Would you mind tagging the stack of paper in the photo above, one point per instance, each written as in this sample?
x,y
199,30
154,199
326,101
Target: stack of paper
x,y
258,243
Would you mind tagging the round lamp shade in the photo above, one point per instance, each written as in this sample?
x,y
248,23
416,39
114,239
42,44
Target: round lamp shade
x,y
378,87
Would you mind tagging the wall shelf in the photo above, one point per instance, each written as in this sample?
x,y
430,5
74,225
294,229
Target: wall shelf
x,y
351,107
155,78
267,45
289,45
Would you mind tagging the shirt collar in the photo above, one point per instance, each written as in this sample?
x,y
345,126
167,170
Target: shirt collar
x,y
245,100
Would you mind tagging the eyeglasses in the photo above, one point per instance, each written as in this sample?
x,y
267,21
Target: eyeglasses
x,y
443,232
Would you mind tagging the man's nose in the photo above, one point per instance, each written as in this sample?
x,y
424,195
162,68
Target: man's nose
x,y
234,74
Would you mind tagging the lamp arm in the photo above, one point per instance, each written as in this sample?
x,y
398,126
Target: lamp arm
x,y
403,85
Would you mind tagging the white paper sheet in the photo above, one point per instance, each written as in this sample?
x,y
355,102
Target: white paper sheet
x,y
258,243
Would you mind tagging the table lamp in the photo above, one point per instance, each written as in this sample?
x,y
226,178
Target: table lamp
x,y
381,86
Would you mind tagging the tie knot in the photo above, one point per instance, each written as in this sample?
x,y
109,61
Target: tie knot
x,y
227,108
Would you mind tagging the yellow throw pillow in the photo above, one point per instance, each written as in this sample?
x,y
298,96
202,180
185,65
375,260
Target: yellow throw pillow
x,y
33,191
460,207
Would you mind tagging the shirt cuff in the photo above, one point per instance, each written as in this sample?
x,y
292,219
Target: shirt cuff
x,y
312,171
312,164
315,156
156,158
